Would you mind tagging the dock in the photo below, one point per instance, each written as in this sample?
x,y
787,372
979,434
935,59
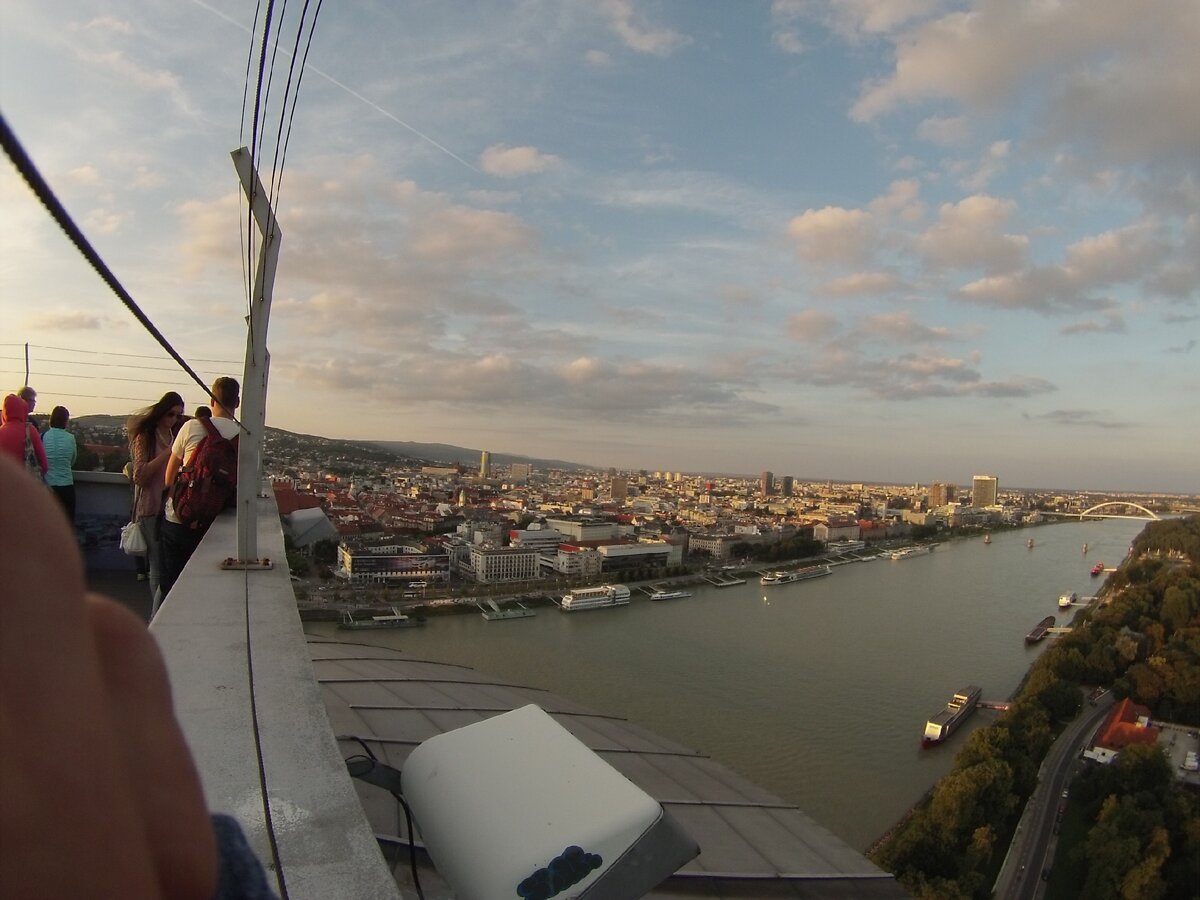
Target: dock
x,y
723,580
492,611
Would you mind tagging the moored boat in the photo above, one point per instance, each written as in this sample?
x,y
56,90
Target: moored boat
x,y
774,578
1039,630
670,595
1097,569
598,597
1065,600
944,722
907,552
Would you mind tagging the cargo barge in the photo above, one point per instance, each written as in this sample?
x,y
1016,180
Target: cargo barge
x,y
1039,630
944,722
772,578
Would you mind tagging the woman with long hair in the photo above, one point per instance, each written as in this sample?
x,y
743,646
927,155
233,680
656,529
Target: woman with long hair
x,y
150,437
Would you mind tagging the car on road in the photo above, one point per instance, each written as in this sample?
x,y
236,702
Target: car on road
x,y
1066,793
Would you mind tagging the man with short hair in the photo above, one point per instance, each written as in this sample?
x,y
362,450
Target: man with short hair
x,y
179,539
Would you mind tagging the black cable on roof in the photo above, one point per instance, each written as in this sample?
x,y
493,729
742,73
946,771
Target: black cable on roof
x,y
24,165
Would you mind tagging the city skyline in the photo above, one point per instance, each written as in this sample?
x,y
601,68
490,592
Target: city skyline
x,y
891,242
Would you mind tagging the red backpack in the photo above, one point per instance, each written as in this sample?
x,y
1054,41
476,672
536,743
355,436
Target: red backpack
x,y
208,483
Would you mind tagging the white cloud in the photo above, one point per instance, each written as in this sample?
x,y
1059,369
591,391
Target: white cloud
x,y
832,235
969,234
945,131
510,162
636,33
864,284
901,200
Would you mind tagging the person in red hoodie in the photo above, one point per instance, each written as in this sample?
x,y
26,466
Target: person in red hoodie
x,y
16,431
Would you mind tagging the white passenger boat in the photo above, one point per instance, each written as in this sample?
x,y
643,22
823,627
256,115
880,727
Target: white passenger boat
x,y
595,597
906,552
670,595
773,578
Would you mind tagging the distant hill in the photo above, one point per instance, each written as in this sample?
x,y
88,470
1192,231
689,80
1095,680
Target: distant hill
x,y
470,457
431,453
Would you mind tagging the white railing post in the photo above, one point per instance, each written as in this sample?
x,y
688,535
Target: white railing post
x,y
253,413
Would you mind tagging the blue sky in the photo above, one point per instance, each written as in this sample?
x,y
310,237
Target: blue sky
x,y
904,240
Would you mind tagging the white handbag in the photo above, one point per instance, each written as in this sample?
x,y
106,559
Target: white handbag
x,y
133,541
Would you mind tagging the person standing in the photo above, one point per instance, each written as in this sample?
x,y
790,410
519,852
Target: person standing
x,y
60,450
180,540
149,450
20,439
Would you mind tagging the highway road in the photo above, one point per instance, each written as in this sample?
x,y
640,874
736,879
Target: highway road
x,y
1034,842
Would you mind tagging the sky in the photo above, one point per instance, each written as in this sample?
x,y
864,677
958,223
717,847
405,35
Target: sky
x,y
900,240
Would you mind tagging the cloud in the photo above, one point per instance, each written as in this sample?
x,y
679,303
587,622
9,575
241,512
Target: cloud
x,y
945,131
636,33
71,320
901,201
861,284
1129,255
785,14
812,325
1078,418
901,327
1116,78
969,234
832,235
992,164
510,162
1183,348
597,59
1112,323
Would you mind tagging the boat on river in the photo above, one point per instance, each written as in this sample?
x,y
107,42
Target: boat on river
x,y
397,619
1097,569
1039,630
987,538
599,597
1029,543
1065,601
670,595
774,578
943,723
908,552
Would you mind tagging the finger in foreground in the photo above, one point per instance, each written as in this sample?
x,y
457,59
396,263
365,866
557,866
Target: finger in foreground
x,y
69,825
163,777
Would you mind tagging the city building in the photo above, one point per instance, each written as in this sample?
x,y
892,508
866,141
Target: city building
x,y
788,485
940,494
489,565
766,483
485,464
382,565
1127,723
618,487
985,490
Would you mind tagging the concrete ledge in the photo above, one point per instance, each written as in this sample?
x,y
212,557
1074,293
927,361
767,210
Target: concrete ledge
x,y
251,710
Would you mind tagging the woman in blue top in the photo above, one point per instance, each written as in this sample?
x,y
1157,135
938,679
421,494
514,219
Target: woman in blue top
x,y
60,456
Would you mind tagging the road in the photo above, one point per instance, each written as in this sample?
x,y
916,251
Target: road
x,y
1032,846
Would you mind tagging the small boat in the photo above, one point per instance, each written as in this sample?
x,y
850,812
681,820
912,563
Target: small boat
x,y
1029,543
1085,549
1066,600
1097,569
1039,630
396,620
670,595
987,538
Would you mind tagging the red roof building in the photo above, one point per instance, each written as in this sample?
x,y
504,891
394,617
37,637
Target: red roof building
x,y
1128,723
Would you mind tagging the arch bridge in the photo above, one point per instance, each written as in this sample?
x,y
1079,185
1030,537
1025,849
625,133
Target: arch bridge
x,y
1091,513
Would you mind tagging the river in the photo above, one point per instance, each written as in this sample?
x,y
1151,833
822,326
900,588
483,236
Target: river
x,y
817,690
